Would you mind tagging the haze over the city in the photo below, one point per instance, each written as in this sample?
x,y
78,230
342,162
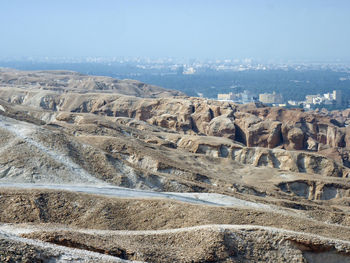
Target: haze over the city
x,y
282,30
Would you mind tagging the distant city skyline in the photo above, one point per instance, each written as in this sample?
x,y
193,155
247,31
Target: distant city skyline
x,y
170,60
199,29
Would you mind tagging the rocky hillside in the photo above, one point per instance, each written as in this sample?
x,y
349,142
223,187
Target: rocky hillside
x,y
69,81
124,171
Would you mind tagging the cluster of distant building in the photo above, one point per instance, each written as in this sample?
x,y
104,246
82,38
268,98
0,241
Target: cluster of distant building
x,y
242,97
333,98
271,98
246,97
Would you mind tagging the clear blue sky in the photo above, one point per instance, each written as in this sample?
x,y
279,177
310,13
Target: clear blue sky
x,y
266,29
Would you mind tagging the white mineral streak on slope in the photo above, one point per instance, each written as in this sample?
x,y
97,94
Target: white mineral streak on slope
x,y
23,130
225,200
114,191
193,198
18,229
62,254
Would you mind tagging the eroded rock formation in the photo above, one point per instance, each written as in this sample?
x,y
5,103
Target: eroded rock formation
x,y
245,183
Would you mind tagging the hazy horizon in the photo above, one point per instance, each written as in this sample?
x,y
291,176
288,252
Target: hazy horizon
x,y
279,30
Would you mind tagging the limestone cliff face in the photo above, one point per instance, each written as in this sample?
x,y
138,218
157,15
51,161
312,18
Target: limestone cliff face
x,y
284,160
290,161
253,126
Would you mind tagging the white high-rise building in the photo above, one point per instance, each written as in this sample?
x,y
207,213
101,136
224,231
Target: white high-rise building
x,y
337,96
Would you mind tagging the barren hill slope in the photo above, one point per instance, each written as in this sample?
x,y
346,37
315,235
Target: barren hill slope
x,y
66,81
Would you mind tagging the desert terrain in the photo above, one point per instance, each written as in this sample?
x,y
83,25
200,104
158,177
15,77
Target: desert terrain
x,y
94,169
